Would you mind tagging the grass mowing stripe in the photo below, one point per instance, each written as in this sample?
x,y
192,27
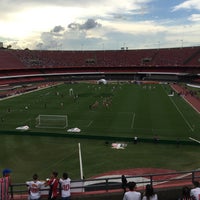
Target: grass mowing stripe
x,y
133,120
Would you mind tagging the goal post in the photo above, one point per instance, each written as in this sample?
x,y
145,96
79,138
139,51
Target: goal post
x,y
52,121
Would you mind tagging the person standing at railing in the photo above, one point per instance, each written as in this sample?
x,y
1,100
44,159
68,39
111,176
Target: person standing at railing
x,y
5,183
53,184
149,193
124,183
195,192
185,194
65,187
132,194
34,187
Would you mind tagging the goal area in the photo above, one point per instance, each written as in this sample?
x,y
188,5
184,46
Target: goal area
x,y
52,121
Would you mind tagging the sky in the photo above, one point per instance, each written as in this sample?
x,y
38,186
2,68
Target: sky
x,y
99,25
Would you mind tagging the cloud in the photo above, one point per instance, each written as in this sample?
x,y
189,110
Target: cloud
x,y
89,24
188,4
195,18
11,5
76,35
58,29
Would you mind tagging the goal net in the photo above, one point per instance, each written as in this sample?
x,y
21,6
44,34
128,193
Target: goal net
x,y
52,121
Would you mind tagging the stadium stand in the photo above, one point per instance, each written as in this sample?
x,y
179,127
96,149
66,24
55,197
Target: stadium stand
x,y
37,65
7,60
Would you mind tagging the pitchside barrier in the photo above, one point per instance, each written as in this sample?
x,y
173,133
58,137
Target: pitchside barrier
x,y
105,138
95,188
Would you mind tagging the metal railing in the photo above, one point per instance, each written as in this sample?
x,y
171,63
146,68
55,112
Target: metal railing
x,y
113,184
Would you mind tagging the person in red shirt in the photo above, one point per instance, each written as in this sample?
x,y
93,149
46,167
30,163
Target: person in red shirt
x,y
5,183
53,184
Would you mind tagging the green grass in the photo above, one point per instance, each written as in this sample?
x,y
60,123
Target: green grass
x,y
136,110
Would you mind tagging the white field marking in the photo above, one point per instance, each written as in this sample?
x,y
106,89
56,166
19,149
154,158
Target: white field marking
x,y
89,123
174,178
194,140
191,105
133,120
188,102
186,121
111,112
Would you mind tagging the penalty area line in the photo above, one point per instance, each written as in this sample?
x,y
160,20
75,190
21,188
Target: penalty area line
x,y
194,140
89,123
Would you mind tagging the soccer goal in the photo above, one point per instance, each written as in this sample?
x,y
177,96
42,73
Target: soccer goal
x,y
52,121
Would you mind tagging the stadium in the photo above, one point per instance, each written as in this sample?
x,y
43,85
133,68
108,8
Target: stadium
x,y
110,97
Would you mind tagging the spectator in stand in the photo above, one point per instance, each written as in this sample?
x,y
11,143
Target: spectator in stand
x,y
53,184
65,187
34,187
195,192
149,193
185,194
5,182
132,194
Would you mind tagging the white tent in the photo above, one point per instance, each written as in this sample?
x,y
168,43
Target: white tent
x,y
102,81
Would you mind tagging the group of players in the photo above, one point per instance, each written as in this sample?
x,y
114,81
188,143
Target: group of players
x,y
35,186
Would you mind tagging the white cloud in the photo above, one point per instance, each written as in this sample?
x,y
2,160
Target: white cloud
x,y
195,18
89,24
34,20
188,4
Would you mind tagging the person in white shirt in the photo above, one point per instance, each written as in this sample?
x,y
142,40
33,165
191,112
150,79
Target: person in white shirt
x,y
132,194
65,187
34,187
149,193
195,192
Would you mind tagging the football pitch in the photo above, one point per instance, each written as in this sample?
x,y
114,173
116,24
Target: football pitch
x,y
112,110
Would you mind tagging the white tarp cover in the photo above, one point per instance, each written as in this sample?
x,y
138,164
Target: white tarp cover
x,y
118,146
74,130
23,128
